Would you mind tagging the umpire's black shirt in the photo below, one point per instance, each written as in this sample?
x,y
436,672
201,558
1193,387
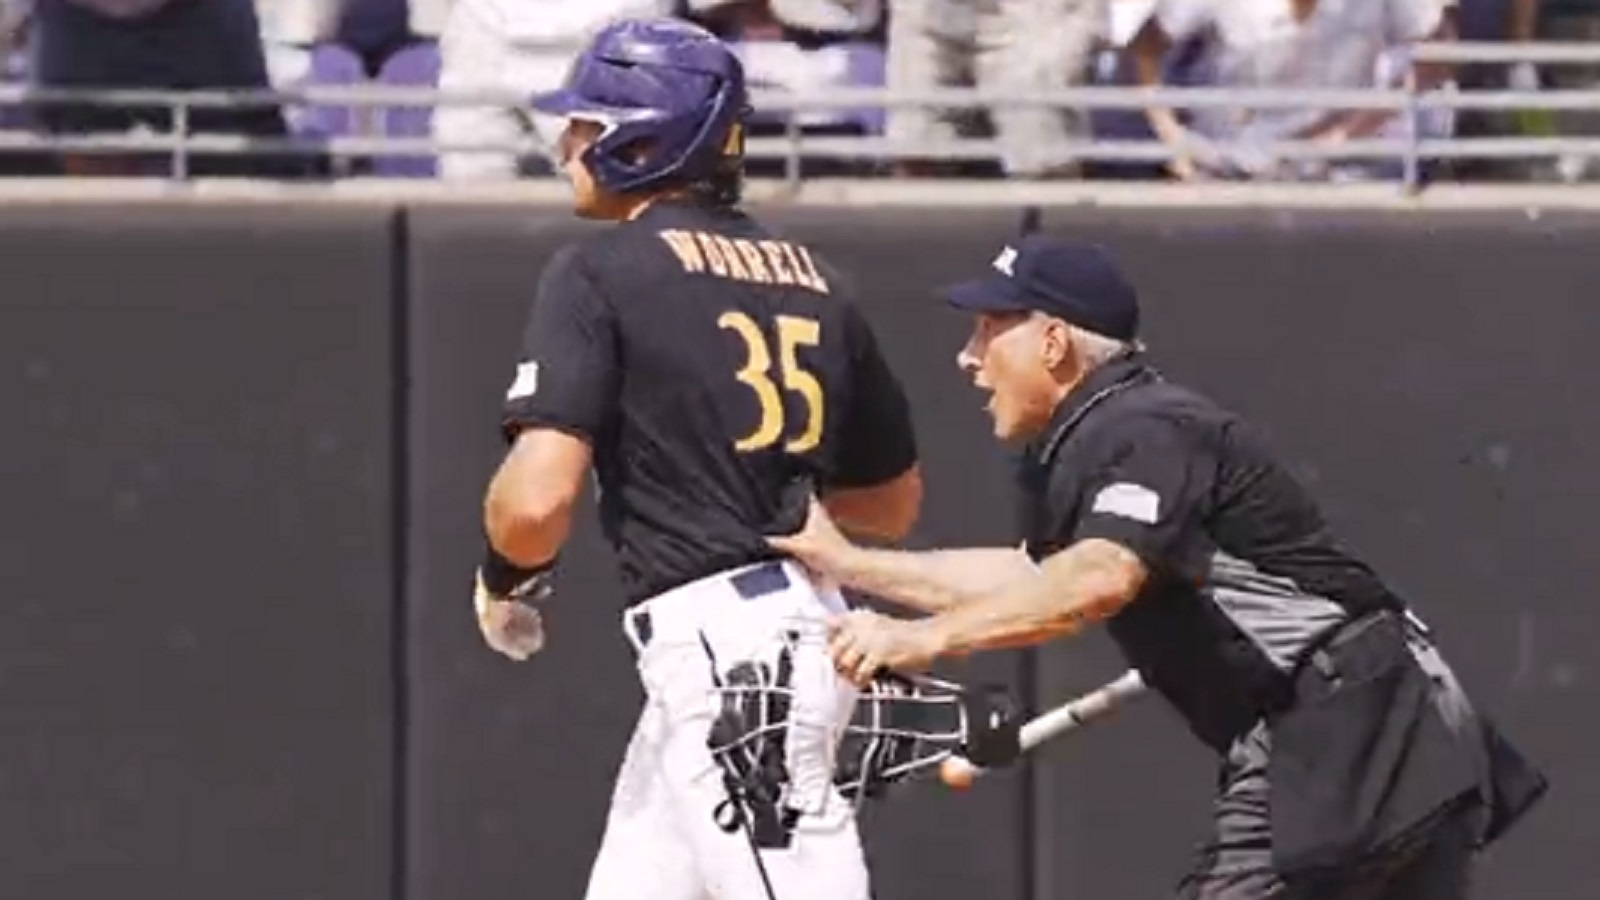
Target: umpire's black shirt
x,y
716,369
1244,572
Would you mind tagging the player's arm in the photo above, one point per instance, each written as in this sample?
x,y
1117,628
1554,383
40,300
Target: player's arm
x,y
527,512
876,491
562,396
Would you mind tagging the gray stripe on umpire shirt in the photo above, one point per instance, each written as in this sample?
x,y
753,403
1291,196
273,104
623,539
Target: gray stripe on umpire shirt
x,y
1271,610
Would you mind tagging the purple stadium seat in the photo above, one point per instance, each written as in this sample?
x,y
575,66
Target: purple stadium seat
x,y
415,66
16,72
332,65
869,67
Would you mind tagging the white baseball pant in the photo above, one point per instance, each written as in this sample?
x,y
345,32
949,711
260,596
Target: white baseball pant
x,y
661,839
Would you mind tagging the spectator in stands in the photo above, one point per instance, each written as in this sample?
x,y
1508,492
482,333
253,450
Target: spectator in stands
x,y
14,26
1002,46
1576,21
289,29
804,22
15,29
155,44
1482,21
805,47
518,47
1289,44
427,17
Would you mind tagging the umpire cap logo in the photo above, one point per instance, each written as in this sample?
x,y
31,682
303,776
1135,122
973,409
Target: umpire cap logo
x,y
1004,262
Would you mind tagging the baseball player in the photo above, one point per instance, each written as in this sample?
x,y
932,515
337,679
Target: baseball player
x,y
709,372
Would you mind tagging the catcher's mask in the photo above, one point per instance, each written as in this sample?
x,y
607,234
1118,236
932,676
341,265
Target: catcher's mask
x,y
904,724
900,726
749,739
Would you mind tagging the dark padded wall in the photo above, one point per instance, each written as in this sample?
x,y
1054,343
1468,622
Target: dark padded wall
x,y
195,640
239,430
509,765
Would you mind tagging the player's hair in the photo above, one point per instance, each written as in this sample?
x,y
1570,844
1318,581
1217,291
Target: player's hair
x,y
723,186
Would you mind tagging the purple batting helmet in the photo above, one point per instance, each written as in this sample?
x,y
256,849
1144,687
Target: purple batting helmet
x,y
665,90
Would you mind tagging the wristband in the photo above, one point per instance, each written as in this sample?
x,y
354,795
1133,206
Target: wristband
x,y
504,578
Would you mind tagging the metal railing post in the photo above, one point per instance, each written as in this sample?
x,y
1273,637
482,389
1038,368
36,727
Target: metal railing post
x,y
1411,179
180,151
791,162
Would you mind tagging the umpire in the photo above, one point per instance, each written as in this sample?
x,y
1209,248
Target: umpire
x,y
1352,763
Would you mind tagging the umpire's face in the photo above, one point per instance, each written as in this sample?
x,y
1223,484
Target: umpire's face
x,y
1016,357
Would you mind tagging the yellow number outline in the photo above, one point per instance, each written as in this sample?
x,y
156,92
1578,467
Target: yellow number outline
x,y
794,332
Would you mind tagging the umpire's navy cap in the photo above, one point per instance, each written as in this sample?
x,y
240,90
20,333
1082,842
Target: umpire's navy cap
x,y
1076,282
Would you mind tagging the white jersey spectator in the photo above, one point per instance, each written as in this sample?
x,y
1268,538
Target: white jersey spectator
x,y
1002,46
513,46
289,28
837,18
1318,44
428,17
800,46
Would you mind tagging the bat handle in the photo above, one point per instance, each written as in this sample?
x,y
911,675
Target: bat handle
x,y
959,772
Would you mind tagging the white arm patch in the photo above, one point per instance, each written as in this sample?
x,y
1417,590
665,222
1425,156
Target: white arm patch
x,y
526,382
1130,501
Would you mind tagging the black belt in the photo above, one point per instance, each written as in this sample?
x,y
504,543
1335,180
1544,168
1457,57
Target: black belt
x,y
751,584
1319,653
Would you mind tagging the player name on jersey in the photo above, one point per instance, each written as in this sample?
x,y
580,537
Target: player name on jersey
x,y
761,262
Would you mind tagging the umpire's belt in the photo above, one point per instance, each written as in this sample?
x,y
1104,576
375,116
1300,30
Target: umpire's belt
x,y
677,615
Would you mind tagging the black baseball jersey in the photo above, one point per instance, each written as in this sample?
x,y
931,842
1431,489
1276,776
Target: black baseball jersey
x,y
715,368
1245,572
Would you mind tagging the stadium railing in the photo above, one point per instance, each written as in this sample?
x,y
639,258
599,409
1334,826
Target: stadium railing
x,y
795,144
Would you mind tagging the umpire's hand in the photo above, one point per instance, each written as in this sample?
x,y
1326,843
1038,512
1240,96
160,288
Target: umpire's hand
x,y
513,628
862,643
819,545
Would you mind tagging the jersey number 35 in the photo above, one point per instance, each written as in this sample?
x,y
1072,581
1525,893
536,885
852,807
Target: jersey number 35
x,y
757,374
